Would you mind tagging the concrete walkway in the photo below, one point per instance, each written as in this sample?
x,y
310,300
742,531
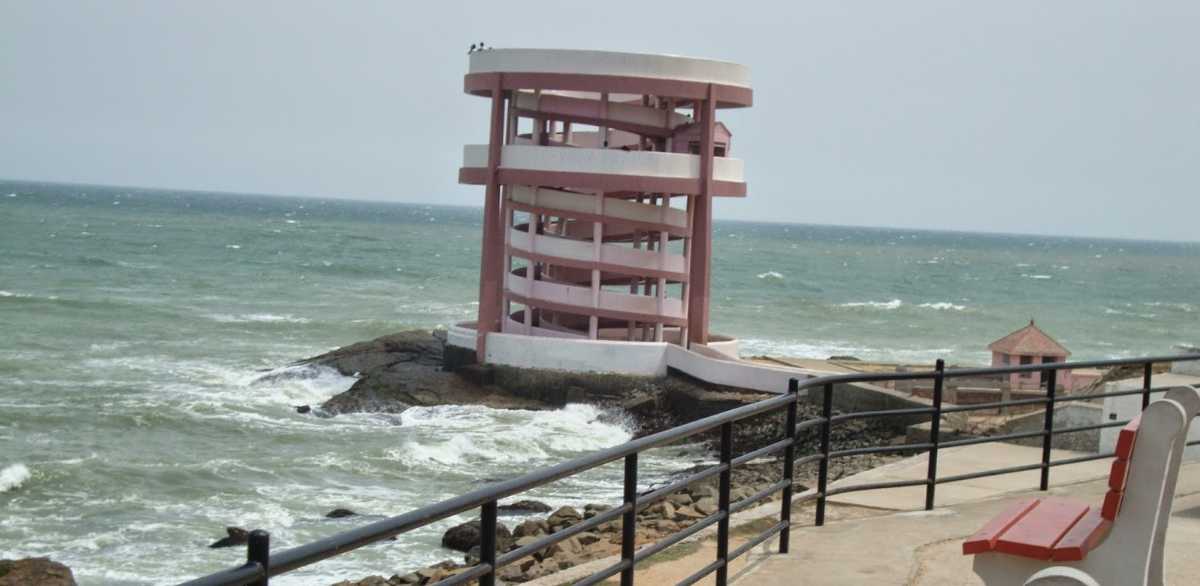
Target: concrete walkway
x,y
923,548
965,460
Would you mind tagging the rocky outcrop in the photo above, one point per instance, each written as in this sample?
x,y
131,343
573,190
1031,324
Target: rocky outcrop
x,y
234,536
35,572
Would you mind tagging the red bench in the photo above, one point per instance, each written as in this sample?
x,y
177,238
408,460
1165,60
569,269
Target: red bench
x,y
1042,541
1058,529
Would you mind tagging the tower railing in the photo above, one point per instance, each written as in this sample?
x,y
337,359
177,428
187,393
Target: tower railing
x,y
262,564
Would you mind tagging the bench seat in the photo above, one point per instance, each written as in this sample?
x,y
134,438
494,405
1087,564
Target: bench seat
x,y
1055,529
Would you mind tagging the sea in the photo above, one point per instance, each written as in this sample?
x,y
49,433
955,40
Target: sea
x,y
136,326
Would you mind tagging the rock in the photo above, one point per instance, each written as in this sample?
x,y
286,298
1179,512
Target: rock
x,y
35,572
405,580
591,510
303,409
664,526
563,517
235,536
587,538
524,507
705,506
659,510
680,499
340,514
688,514
464,537
530,528
368,581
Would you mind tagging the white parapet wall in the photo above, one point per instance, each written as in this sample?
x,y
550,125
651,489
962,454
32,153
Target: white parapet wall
x,y
1129,406
716,363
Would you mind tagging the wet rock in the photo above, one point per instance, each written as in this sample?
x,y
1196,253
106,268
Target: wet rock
x,y
340,514
35,572
303,409
531,528
563,517
524,507
464,537
234,536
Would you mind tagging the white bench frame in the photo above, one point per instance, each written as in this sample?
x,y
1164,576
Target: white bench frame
x,y
1132,553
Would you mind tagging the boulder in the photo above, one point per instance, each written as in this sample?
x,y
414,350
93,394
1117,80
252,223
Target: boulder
x,y
705,506
234,536
35,572
467,535
680,499
524,507
688,514
531,528
563,517
340,514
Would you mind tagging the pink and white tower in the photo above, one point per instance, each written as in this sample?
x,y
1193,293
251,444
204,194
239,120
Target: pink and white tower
x,y
600,171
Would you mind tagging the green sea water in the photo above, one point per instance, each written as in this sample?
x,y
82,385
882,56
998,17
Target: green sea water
x,y
135,324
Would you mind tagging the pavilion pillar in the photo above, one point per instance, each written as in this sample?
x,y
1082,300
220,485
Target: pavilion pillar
x,y
700,270
491,278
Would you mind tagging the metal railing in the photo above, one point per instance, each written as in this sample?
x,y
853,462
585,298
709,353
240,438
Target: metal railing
x,y
262,564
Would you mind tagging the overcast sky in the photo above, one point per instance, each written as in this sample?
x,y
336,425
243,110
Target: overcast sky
x,y
1064,117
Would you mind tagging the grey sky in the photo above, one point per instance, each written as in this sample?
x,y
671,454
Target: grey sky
x,y
1071,117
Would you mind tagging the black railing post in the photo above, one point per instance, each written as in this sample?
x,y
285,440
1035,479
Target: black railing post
x,y
935,432
823,468
1147,373
629,519
487,542
789,464
1047,440
723,502
258,551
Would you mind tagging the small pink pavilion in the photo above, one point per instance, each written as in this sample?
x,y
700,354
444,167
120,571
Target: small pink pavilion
x,y
1030,345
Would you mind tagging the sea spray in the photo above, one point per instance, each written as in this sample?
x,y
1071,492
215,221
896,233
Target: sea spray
x,y
12,477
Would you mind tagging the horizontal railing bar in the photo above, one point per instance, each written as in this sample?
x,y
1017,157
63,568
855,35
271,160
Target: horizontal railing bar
x,y
763,451
994,405
807,423
1090,427
970,441
969,372
654,496
605,574
239,576
1111,394
701,574
1193,443
1078,459
992,472
881,413
674,538
758,539
561,535
880,449
758,496
875,486
809,458
464,577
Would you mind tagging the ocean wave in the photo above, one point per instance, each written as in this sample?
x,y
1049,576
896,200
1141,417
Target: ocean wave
x,y
12,477
266,318
771,275
893,304
1038,277
943,306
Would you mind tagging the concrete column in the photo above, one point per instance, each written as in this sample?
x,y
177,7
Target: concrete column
x,y
492,253
701,261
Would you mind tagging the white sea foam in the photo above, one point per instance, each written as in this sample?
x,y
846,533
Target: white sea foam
x,y
233,246
226,318
1038,277
771,275
893,304
943,306
12,477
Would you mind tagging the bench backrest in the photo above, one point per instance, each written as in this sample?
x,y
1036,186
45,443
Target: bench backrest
x,y
1155,448
1118,476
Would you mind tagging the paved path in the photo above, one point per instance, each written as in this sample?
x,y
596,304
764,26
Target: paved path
x,y
923,548
965,460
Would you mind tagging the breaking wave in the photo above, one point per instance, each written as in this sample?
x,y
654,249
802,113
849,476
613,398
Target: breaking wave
x,y
12,477
773,275
893,304
943,306
266,318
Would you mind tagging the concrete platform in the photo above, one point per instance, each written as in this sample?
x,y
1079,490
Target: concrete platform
x,y
964,460
923,548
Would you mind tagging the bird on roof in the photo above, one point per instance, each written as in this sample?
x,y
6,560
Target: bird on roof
x,y
471,50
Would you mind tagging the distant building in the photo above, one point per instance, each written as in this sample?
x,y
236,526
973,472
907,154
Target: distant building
x,y
1030,345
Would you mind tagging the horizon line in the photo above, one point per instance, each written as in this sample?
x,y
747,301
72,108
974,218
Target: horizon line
x,y
468,206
